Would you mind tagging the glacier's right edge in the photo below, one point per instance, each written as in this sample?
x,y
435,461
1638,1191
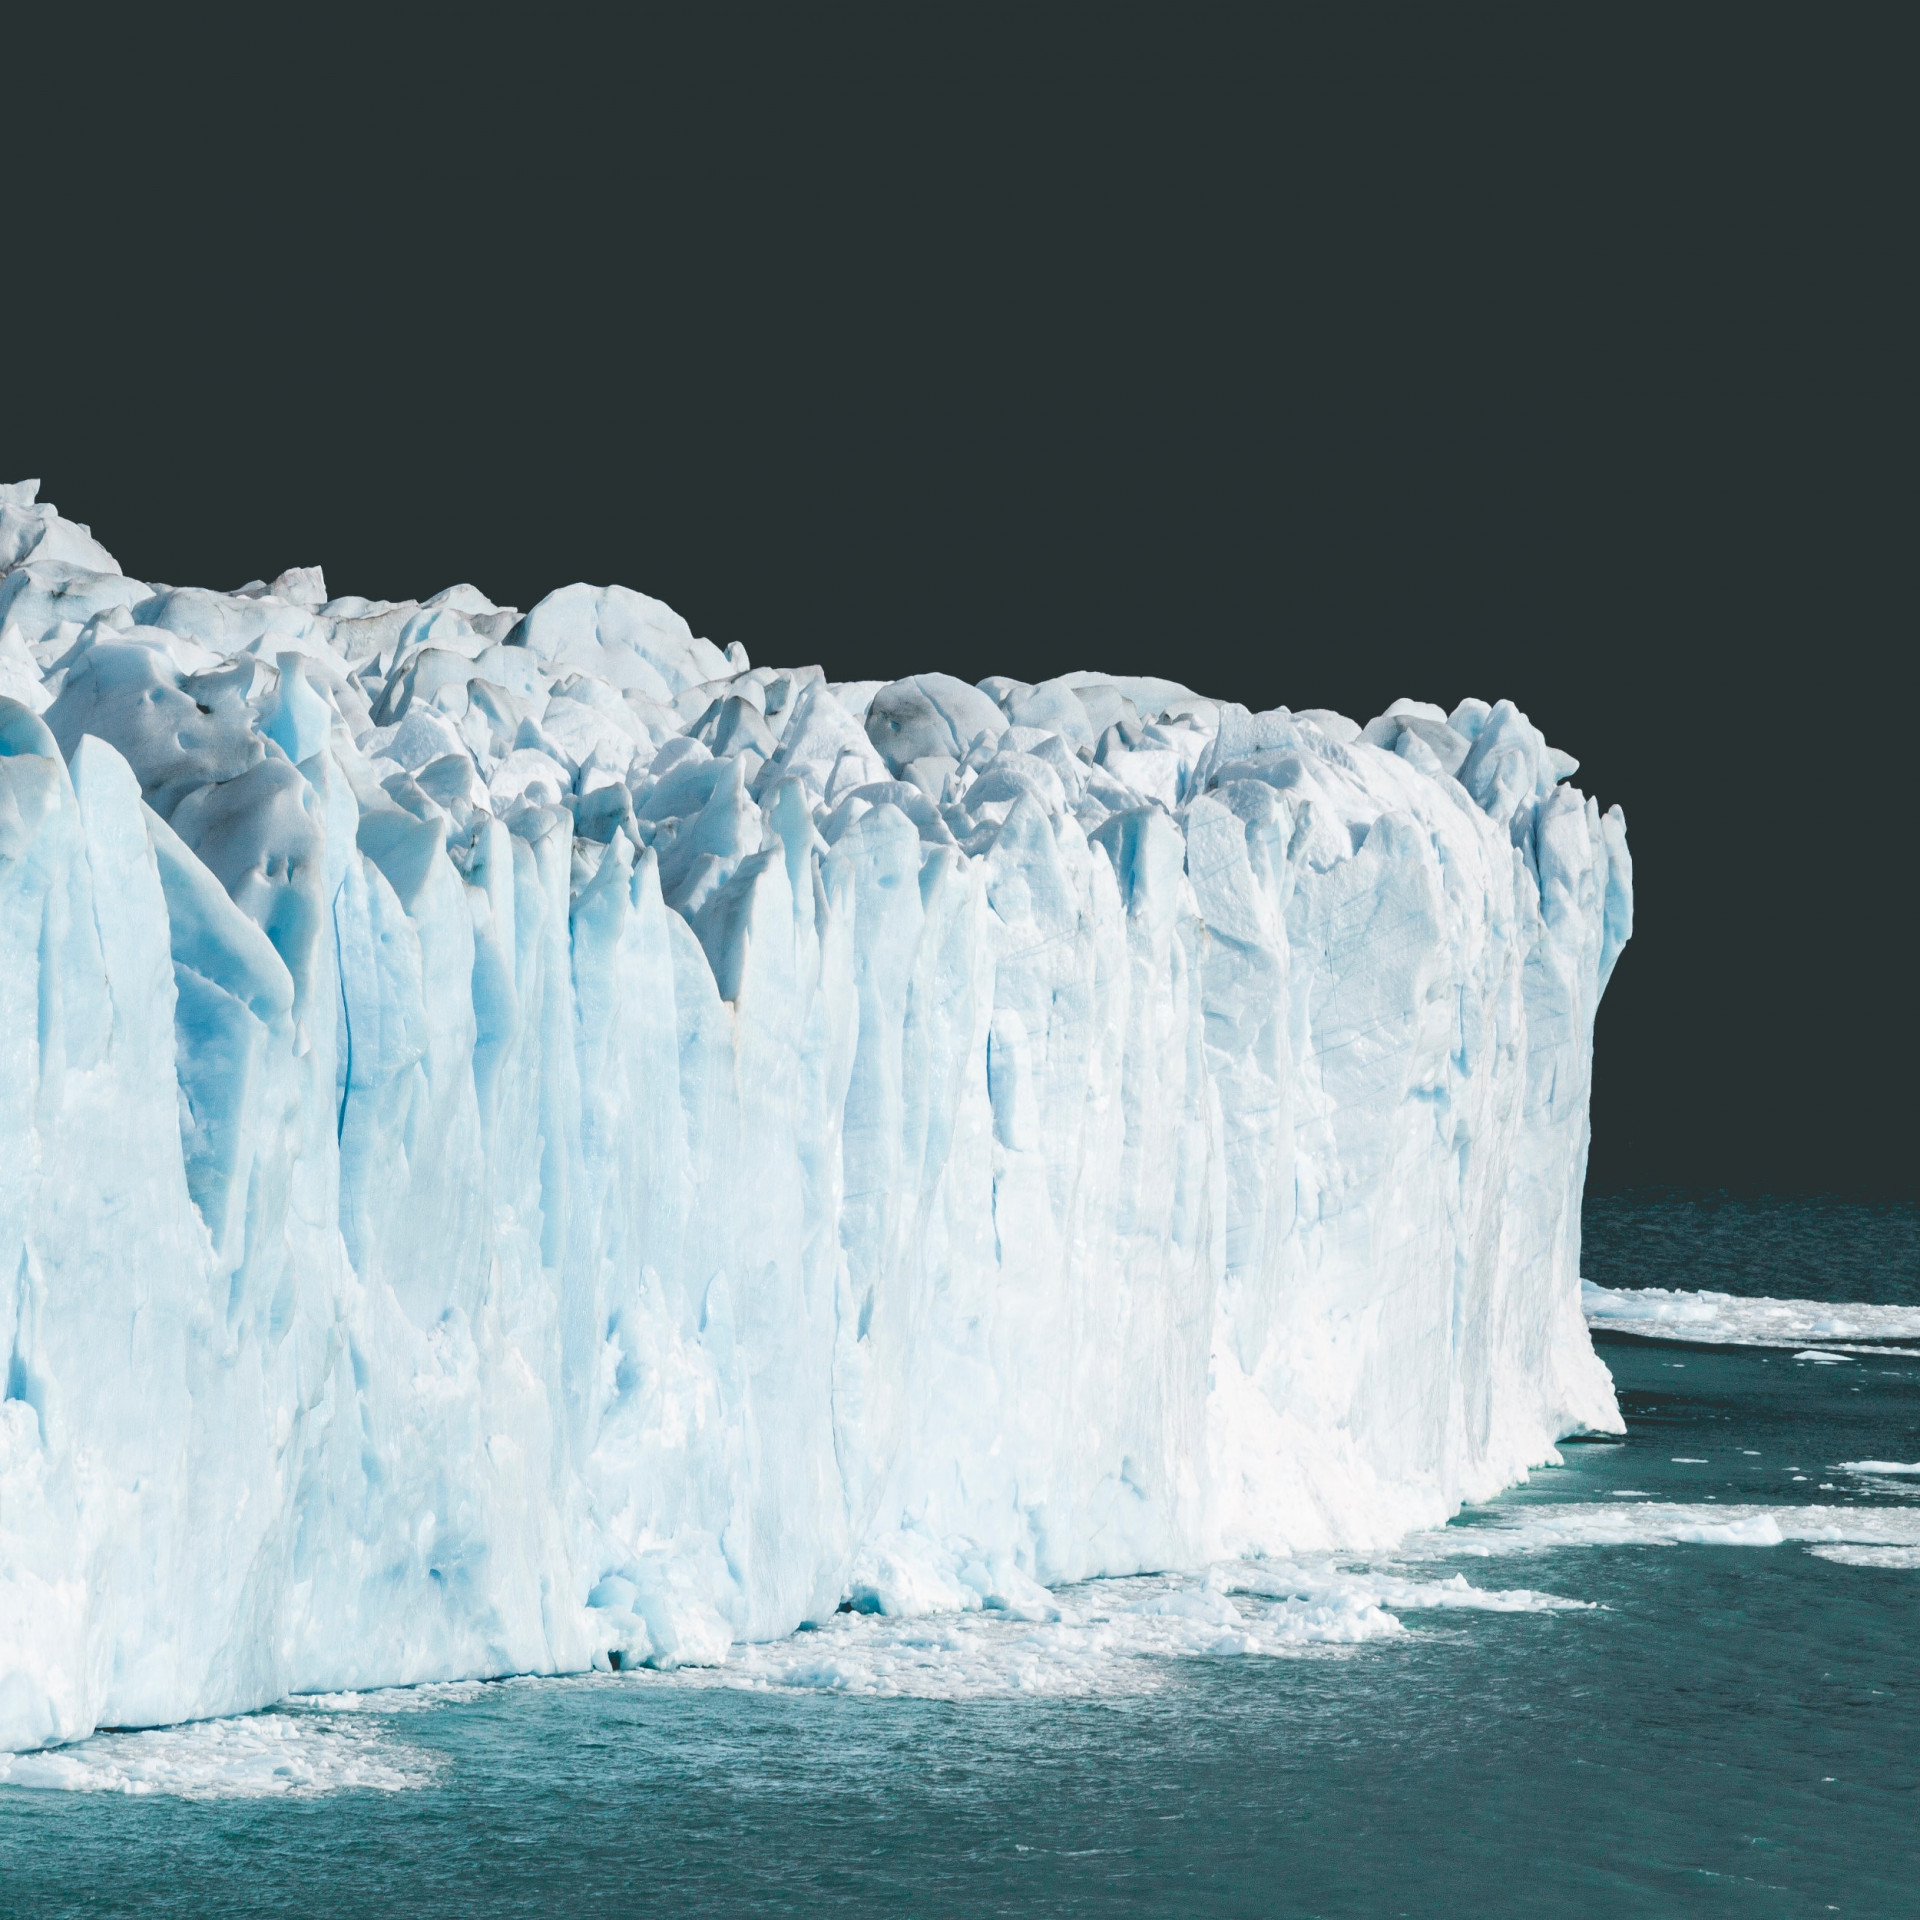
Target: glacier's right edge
x,y
1310,1236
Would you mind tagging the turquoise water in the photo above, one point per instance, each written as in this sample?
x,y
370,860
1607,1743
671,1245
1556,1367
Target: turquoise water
x,y
1723,1729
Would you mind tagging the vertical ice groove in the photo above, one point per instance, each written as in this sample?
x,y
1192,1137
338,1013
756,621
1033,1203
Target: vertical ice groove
x,y
527,1138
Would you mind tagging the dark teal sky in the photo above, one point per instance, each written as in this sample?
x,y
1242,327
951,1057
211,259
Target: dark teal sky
x,y
1490,357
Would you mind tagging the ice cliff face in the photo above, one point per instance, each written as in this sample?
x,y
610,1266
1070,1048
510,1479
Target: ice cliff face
x,y
525,1140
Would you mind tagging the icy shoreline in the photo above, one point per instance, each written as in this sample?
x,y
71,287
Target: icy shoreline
x,y
1707,1318
527,1138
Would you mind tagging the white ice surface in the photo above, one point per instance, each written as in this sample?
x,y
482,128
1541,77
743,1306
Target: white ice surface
x,y
1745,1320
1668,1523
527,1137
1901,1558
258,1756
1110,1637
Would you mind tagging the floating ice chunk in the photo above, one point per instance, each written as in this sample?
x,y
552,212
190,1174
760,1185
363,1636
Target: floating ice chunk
x,y
1742,1319
263,1756
1386,1588
1203,1604
1905,1558
1673,1523
1109,1641
910,1573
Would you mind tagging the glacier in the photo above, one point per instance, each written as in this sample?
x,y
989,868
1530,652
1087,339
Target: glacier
x,y
529,1143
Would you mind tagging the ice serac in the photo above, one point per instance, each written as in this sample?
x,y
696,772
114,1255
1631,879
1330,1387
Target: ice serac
x,y
527,1142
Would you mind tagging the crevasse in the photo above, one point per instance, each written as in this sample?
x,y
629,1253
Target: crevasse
x,y
527,1142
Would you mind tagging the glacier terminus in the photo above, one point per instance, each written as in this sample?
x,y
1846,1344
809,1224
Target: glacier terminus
x,y
530,1143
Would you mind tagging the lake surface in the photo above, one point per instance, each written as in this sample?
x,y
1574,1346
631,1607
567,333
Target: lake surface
x,y
1584,1698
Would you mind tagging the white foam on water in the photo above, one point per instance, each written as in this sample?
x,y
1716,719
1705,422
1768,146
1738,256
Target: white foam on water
x,y
272,1755
1387,1588
416,1699
1110,1644
1847,1556
1104,1637
1109,1637
1727,1319
1875,1466
1666,1523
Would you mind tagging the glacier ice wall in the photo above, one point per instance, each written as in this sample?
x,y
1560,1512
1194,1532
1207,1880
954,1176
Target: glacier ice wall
x,y
526,1141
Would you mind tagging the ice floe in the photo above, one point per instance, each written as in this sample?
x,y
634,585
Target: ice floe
x,y
1823,1328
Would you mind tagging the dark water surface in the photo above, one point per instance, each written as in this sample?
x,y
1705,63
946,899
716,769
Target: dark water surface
x,y
1733,1730
1818,1248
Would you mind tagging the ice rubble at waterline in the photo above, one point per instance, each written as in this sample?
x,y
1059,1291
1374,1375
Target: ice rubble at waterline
x,y
527,1139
